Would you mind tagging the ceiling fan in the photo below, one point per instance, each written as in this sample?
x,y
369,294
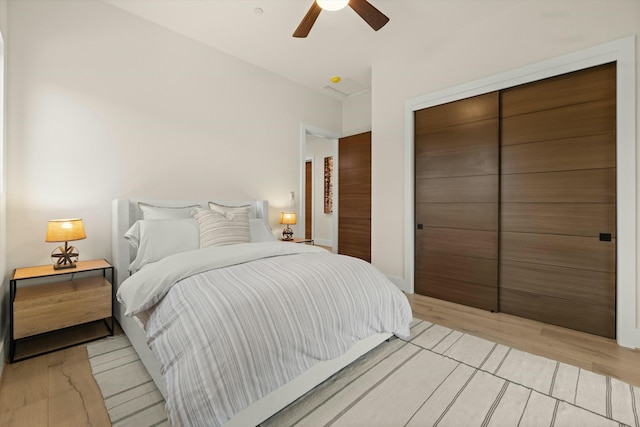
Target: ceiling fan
x,y
366,10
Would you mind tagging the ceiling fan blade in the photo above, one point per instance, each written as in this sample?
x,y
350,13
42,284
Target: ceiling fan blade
x,y
369,13
308,21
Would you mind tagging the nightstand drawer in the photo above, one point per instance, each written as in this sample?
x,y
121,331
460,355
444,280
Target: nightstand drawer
x,y
45,308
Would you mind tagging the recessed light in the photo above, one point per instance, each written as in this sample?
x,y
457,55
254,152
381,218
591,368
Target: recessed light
x,y
335,79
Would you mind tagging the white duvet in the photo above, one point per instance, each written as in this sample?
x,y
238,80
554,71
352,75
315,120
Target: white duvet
x,y
231,324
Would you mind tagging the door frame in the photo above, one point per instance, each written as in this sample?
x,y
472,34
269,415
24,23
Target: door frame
x,y
303,200
333,137
623,51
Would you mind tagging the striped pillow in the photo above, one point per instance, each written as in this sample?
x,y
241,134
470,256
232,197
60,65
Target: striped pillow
x,y
218,230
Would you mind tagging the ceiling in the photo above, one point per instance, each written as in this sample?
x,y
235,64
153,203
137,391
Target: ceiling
x,y
340,43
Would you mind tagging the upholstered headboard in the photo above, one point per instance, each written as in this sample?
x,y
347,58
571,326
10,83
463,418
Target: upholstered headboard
x,y
125,212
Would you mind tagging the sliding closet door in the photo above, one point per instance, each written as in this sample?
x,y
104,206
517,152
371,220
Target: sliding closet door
x,y
558,191
456,194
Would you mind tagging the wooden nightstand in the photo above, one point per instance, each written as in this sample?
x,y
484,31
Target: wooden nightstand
x,y
59,313
298,240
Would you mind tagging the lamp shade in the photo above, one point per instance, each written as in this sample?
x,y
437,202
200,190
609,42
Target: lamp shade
x,y
332,5
288,218
65,230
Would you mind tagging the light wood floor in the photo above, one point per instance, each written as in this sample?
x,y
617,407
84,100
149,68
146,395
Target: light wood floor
x,y
594,353
58,389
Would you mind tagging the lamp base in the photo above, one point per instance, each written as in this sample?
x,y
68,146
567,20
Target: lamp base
x,y
64,257
63,266
287,233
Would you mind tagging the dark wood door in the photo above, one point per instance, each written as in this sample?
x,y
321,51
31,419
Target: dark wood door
x,y
558,191
354,196
308,199
456,195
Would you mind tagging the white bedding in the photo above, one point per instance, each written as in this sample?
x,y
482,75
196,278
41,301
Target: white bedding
x,y
230,324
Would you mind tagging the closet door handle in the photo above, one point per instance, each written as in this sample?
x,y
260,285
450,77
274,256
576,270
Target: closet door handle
x,y
605,237
420,226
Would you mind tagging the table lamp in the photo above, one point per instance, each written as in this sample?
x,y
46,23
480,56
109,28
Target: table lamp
x,y
65,230
287,218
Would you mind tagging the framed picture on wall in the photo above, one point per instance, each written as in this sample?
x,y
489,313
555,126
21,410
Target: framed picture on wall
x,y
328,185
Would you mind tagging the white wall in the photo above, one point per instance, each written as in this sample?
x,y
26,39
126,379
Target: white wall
x,y
4,289
523,33
104,105
318,148
356,114
518,34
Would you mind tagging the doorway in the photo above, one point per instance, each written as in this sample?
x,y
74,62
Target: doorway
x,y
315,146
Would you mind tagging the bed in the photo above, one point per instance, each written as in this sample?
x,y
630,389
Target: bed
x,y
229,332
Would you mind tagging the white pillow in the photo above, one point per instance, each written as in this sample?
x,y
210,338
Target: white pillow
x,y
218,230
133,235
260,231
159,238
161,212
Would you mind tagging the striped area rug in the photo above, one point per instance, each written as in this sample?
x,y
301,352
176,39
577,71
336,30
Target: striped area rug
x,y
130,395
440,377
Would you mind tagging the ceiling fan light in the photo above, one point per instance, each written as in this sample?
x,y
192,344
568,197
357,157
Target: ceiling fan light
x,y
332,5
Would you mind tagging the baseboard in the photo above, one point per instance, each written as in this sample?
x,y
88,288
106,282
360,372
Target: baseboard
x,y
400,282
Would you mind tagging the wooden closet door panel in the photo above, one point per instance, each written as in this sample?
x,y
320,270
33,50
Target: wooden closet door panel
x,y
461,112
481,271
567,122
587,152
587,253
461,242
591,318
576,219
450,289
474,216
567,89
466,136
584,286
354,196
457,190
558,193
472,189
483,161
580,186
